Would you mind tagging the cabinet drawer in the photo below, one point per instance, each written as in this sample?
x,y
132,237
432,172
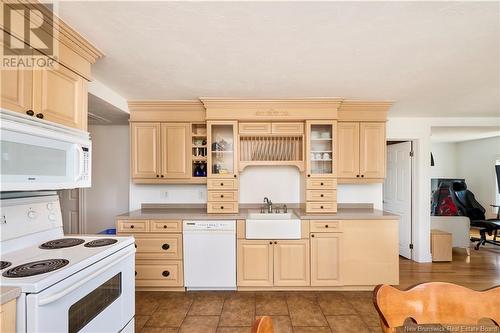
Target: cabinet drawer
x,y
131,226
222,207
255,128
159,247
288,128
321,207
158,273
222,184
165,226
321,195
222,195
324,226
320,183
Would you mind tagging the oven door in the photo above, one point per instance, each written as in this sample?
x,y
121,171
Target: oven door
x,y
99,298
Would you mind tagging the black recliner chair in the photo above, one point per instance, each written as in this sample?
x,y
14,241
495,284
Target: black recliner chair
x,y
468,206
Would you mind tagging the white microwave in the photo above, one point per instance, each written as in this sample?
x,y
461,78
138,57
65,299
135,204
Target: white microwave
x,y
40,155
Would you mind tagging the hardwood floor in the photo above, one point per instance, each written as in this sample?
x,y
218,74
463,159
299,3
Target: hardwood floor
x,y
479,271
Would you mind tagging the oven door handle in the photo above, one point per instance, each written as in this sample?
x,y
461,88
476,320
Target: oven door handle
x,y
61,294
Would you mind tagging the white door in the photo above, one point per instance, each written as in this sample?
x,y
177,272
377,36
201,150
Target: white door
x,y
70,209
398,191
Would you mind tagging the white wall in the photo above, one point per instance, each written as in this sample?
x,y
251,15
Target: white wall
x,y
445,160
108,195
140,193
476,165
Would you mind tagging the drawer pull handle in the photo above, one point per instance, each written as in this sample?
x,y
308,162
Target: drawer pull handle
x,y
222,195
322,195
165,273
39,115
321,207
135,273
135,245
221,207
131,226
322,183
164,226
326,225
165,246
30,113
221,184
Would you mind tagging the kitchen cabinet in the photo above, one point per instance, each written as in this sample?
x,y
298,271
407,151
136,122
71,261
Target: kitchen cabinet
x,y
381,260
8,317
361,150
174,147
273,263
160,150
159,252
254,263
222,165
291,263
325,258
60,96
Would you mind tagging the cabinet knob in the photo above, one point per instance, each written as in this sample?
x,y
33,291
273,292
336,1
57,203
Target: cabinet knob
x,y
362,176
165,273
322,195
312,235
221,207
221,184
39,115
164,226
30,113
308,175
222,195
275,242
322,183
165,246
131,226
326,225
357,176
270,242
157,176
135,245
321,207
235,176
162,176
135,273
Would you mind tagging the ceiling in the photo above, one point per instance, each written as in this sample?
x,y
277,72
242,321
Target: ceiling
x,y
435,59
463,133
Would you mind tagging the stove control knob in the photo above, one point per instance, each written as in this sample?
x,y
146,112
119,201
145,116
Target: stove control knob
x,y
50,206
31,214
52,217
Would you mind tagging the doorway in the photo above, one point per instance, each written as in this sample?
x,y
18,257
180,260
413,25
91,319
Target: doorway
x,y
398,191
71,207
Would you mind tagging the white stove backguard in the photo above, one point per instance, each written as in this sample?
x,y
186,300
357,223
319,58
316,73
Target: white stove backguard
x,y
29,221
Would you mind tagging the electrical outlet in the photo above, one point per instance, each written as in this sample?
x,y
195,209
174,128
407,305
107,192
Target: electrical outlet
x,y
166,194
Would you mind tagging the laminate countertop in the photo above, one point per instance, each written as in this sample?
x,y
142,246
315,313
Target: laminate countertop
x,y
201,214
8,294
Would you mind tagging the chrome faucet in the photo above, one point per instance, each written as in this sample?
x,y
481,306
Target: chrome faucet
x,y
269,204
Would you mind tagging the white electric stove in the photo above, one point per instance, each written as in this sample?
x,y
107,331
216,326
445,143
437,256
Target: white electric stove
x,y
68,283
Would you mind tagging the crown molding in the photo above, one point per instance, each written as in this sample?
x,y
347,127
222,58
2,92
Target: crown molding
x,y
362,110
166,110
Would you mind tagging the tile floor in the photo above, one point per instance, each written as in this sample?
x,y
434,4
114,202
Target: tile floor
x,y
234,312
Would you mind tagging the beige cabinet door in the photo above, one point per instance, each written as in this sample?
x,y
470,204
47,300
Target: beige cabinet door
x,y
16,90
60,96
372,150
348,149
145,150
320,148
175,148
255,263
222,159
291,263
325,259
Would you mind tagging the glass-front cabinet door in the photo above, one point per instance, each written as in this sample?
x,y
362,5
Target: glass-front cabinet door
x,y
222,144
320,148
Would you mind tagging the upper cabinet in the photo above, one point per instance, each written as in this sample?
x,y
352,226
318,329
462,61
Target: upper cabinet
x,y
320,148
222,149
361,150
160,151
57,91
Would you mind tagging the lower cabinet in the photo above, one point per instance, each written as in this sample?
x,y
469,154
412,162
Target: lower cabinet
x,y
267,263
325,259
8,317
158,243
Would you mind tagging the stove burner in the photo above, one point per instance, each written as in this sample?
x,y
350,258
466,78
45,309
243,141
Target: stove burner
x,y
35,268
100,242
61,243
4,264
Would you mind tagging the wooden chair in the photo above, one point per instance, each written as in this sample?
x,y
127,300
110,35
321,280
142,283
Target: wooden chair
x,y
263,324
435,303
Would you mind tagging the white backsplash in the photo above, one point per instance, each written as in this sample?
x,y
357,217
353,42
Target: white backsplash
x,y
281,184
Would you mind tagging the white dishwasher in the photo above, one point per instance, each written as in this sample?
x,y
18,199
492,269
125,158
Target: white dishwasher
x,y
209,255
